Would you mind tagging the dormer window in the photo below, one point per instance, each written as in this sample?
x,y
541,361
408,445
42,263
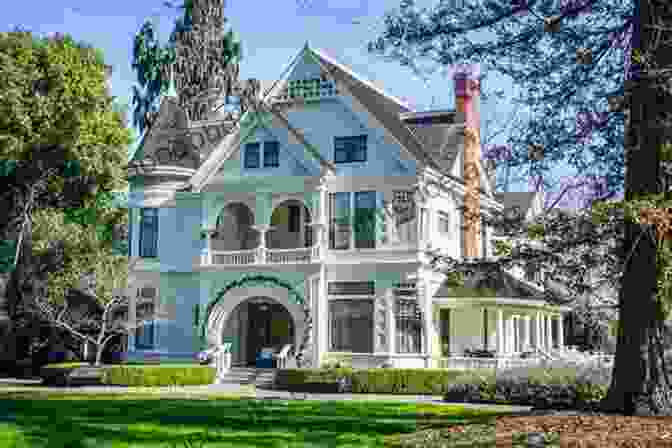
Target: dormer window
x,y
271,154
350,149
252,155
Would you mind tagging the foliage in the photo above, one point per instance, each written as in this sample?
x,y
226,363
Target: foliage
x,y
159,375
190,52
375,381
556,386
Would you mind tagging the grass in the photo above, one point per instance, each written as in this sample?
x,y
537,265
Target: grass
x,y
54,419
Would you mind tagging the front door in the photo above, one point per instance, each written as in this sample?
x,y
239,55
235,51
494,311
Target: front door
x,y
269,325
259,330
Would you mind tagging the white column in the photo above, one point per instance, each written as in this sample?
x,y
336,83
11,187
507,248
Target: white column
x,y
132,317
206,258
391,332
427,312
321,317
561,336
549,331
538,333
500,331
527,331
509,335
261,250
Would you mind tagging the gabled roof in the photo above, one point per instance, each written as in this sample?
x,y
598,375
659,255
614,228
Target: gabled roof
x,y
383,107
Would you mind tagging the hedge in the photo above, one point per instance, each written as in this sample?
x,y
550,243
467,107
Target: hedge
x,y
555,387
378,381
158,375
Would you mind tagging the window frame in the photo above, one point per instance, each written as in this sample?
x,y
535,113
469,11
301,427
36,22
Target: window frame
x,y
331,323
249,147
349,147
154,225
443,223
275,146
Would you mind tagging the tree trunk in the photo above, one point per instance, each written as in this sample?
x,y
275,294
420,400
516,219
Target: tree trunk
x,y
638,378
99,354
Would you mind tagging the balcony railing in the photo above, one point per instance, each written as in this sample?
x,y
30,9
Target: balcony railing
x,y
265,256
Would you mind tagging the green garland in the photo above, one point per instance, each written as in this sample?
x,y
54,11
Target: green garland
x,y
264,280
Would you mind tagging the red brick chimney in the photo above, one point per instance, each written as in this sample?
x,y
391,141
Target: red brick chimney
x,y
467,104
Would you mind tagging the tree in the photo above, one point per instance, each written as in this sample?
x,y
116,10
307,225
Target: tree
x,y
199,57
86,250
62,144
593,77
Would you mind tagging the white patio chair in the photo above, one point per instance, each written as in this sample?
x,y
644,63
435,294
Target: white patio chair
x,y
282,355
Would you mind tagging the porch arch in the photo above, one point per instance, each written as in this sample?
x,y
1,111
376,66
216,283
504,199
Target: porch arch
x,y
234,293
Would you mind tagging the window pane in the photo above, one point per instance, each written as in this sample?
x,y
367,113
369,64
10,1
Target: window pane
x,y
351,325
149,227
271,154
365,219
339,232
350,149
409,326
252,155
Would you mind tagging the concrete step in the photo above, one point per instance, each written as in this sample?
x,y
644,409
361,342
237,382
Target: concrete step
x,y
262,378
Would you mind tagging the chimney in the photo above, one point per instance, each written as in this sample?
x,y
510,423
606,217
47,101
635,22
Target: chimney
x,y
467,104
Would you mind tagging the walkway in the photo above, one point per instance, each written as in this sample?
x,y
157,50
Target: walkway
x,y
9,384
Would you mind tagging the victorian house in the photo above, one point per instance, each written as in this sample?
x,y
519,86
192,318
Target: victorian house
x,y
308,222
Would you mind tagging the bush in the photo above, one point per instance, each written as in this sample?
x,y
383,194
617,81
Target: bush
x,y
188,375
556,386
377,381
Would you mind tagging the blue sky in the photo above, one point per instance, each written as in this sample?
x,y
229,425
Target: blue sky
x,y
272,32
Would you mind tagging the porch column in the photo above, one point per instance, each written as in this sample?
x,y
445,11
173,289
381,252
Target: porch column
x,y
561,338
132,318
549,331
321,317
206,257
527,332
538,334
500,332
425,293
389,315
318,248
261,250
509,335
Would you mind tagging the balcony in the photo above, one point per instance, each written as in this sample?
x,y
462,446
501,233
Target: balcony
x,y
300,255
289,239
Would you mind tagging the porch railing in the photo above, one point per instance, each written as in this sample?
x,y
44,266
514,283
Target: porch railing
x,y
468,362
285,256
236,257
265,256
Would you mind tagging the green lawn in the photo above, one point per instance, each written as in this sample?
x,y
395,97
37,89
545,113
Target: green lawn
x,y
56,419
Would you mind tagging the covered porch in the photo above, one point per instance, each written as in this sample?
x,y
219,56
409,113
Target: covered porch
x,y
495,320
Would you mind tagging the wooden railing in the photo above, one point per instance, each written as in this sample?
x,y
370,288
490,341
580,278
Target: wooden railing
x,y
235,257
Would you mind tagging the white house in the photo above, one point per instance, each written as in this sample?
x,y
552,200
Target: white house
x,y
309,224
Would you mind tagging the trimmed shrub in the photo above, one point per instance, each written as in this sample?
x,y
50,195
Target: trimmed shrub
x,y
558,387
375,381
188,375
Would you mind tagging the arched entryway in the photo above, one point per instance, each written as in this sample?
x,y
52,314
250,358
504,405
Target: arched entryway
x,y
255,324
290,230
234,229
229,320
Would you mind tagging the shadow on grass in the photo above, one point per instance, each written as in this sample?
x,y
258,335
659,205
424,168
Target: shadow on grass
x,y
82,421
